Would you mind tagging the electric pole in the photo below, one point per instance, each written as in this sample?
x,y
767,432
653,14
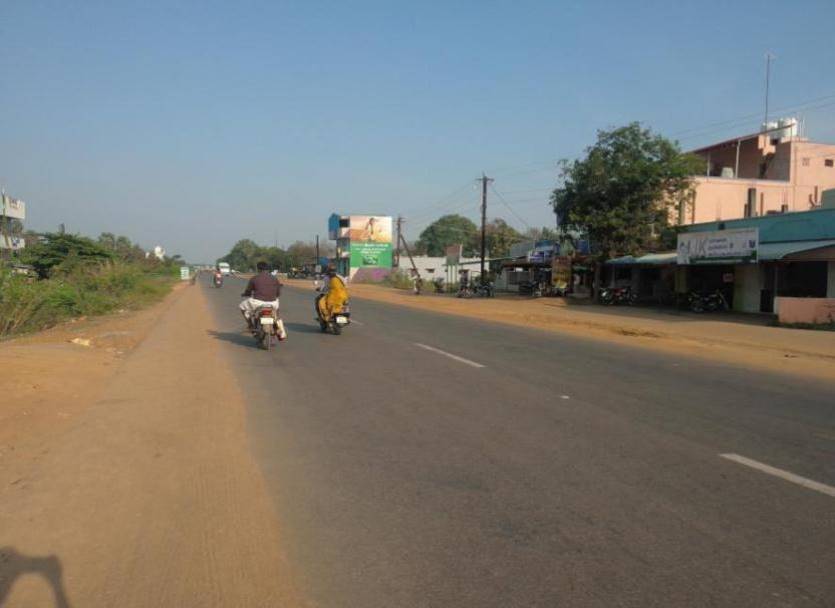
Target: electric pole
x,y
316,264
768,58
484,182
399,237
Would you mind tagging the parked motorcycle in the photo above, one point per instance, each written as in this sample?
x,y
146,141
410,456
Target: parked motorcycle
x,y
618,295
484,290
439,285
707,302
336,322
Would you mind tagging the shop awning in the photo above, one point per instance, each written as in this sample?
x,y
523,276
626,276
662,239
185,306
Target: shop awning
x,y
650,259
817,250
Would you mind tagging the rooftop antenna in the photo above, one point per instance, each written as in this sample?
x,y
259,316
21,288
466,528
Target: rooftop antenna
x,y
768,59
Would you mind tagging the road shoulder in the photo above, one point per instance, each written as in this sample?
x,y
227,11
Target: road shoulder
x,y
147,494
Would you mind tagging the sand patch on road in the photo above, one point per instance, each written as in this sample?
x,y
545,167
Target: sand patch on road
x,y
144,492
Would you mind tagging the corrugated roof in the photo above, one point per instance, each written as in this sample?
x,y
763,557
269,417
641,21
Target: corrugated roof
x,y
812,225
778,251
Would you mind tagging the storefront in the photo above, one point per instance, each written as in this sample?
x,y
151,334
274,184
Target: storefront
x,y
753,262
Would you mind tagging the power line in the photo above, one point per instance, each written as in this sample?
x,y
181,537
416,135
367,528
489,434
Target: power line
x,y
506,204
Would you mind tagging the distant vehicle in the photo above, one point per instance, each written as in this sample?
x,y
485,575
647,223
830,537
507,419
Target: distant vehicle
x,y
224,268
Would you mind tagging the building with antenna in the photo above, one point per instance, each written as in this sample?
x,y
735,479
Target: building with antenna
x,y
12,214
773,171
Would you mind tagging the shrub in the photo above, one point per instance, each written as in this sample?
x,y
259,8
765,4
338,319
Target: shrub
x,y
74,290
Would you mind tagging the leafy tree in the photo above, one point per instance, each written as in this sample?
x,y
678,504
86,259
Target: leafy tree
x,y
449,230
623,192
301,253
542,234
500,236
59,250
243,255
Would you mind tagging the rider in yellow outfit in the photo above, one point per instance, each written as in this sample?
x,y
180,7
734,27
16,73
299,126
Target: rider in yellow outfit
x,y
335,295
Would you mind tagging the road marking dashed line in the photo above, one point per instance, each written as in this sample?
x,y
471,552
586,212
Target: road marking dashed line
x,y
801,481
450,355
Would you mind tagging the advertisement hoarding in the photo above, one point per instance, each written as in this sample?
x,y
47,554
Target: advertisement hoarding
x,y
453,254
561,272
728,246
371,242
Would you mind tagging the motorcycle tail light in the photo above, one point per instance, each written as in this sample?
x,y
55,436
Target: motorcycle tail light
x,y
266,312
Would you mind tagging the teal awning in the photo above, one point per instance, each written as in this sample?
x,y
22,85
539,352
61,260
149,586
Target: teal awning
x,y
650,259
779,251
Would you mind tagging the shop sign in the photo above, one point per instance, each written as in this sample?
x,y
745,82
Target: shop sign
x,y
728,246
453,254
561,272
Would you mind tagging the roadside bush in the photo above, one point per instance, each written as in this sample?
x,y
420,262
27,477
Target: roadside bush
x,y
399,280
76,290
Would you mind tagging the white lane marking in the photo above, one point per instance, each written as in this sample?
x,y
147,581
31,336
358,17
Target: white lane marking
x,y
450,355
801,481
564,397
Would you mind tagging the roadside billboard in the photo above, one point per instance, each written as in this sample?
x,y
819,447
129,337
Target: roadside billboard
x,y
453,254
561,272
371,245
720,246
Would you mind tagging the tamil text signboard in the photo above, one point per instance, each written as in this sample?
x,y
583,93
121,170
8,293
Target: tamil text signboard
x,y
717,247
371,245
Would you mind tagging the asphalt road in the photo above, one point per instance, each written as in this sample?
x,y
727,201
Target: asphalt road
x,y
533,470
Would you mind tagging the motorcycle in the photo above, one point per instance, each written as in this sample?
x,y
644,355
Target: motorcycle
x,y
484,290
439,285
707,302
217,280
266,326
618,295
417,286
336,322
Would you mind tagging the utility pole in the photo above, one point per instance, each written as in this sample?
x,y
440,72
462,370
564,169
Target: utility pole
x,y
316,263
768,58
484,182
399,238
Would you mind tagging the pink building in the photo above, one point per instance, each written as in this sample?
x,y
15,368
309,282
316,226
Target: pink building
x,y
774,171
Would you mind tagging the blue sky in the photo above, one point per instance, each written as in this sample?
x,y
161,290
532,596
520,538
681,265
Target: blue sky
x,y
193,124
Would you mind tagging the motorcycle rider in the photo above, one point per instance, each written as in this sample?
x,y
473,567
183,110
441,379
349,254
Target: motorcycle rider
x,y
334,294
262,290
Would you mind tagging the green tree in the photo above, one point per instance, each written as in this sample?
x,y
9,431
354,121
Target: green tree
x,y
542,234
301,254
500,236
449,230
60,250
623,192
243,255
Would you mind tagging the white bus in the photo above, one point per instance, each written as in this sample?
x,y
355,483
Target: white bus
x,y
224,267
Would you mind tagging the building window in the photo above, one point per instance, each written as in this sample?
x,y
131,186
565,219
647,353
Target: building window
x,y
829,162
805,161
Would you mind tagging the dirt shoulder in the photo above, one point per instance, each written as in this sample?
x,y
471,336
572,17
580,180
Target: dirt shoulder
x,y
126,477
731,339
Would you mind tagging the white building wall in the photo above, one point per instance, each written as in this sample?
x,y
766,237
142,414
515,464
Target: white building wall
x,y
747,287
